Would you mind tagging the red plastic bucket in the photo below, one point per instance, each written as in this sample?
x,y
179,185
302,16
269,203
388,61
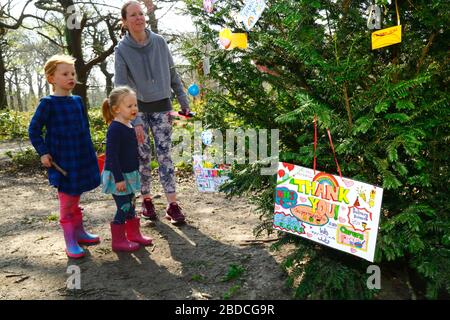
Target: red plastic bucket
x,y
101,162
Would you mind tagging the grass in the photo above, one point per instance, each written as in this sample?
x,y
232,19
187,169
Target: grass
x,y
198,278
231,292
52,217
234,272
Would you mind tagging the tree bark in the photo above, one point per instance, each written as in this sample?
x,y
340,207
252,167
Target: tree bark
x,y
40,86
3,101
10,94
108,77
18,93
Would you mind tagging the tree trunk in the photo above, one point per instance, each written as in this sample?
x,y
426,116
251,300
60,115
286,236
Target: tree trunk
x,y
31,95
18,93
10,94
108,77
153,21
40,86
3,101
47,88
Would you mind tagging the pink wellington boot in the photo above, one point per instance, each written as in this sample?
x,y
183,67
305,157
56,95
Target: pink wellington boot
x,y
83,237
132,227
119,240
73,250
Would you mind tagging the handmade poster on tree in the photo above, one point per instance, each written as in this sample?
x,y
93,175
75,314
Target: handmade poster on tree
x,y
208,176
337,212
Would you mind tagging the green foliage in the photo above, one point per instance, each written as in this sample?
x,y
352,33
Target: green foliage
x,y
26,159
234,272
231,292
14,124
198,278
387,109
53,217
98,129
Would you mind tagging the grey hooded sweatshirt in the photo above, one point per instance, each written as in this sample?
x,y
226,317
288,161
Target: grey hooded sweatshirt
x,y
148,69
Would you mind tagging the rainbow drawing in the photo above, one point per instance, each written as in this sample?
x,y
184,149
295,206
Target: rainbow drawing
x,y
325,178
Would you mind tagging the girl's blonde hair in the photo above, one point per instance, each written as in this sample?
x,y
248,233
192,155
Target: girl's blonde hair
x,y
52,63
115,97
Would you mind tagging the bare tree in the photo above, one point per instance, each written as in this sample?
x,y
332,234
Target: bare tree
x,y
76,31
7,22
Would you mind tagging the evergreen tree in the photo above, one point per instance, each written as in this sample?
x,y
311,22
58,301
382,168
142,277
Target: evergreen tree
x,y
387,109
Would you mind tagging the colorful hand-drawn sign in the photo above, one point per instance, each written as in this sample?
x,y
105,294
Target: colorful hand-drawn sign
x,y
208,176
328,209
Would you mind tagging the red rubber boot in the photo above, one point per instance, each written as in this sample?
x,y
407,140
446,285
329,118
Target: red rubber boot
x,y
119,240
132,227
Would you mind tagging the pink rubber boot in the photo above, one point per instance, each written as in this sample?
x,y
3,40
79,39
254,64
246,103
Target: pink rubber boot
x,y
132,227
81,234
67,221
119,240
73,250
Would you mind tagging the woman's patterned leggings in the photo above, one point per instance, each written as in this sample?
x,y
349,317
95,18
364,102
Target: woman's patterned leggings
x,y
160,124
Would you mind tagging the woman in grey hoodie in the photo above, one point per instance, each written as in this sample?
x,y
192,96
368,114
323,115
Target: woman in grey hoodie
x,y
143,61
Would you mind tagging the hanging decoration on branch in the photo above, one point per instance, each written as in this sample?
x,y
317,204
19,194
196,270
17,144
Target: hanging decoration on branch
x,y
208,5
225,38
374,20
194,90
229,40
251,13
389,36
264,69
328,209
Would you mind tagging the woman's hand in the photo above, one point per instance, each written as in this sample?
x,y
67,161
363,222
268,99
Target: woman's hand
x,y
139,134
120,186
185,111
46,160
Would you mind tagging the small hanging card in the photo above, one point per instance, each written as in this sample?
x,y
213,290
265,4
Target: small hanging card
x,y
374,20
251,13
337,212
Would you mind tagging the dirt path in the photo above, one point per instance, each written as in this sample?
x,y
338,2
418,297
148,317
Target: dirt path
x,y
187,262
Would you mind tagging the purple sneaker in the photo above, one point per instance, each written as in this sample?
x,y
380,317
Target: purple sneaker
x,y
148,210
174,214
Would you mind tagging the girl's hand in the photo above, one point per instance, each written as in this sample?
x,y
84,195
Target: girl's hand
x,y
46,160
140,134
120,186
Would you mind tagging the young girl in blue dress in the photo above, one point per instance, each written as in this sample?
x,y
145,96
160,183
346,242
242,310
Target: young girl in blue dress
x,y
67,144
120,176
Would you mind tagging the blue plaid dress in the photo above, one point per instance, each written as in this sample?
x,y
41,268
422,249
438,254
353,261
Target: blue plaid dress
x,y
68,141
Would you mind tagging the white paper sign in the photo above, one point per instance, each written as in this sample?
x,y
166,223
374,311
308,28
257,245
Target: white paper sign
x,y
338,212
251,13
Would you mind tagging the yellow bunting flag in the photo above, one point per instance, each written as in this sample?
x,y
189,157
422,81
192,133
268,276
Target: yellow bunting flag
x,y
239,40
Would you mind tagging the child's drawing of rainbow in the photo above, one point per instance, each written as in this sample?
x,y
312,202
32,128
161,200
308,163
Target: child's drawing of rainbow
x,y
325,178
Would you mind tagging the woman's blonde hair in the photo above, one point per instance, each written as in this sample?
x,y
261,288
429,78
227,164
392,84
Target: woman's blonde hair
x,y
115,97
52,63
